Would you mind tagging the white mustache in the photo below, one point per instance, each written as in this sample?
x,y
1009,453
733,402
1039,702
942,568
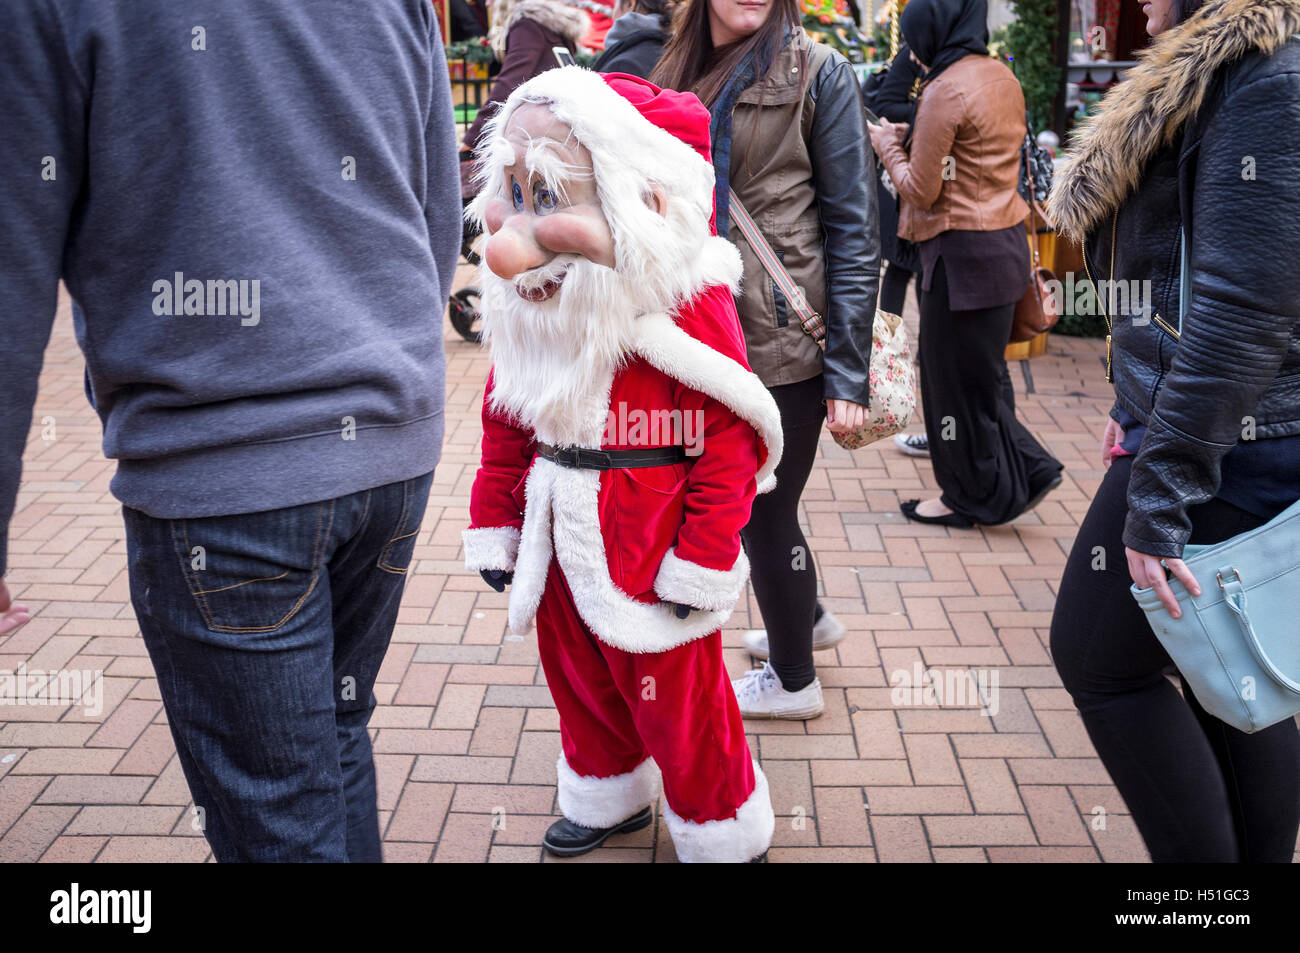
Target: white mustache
x,y
553,271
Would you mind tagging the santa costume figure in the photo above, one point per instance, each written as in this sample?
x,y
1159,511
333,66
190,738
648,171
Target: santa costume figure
x,y
624,437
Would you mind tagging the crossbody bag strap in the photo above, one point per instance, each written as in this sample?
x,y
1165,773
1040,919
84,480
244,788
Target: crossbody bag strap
x,y
809,319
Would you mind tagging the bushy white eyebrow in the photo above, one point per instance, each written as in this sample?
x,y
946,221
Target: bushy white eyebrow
x,y
546,159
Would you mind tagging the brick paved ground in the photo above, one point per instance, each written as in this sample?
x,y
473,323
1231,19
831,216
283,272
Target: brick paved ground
x,y
465,735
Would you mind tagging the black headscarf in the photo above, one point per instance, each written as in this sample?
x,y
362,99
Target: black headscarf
x,y
940,32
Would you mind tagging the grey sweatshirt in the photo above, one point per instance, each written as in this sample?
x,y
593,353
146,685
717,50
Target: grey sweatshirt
x,y
255,206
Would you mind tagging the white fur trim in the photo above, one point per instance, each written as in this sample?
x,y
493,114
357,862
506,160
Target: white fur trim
x,y
736,840
691,584
491,547
535,549
666,346
720,264
604,802
615,617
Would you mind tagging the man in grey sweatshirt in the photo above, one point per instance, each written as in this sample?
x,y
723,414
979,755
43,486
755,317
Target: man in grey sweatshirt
x,y
255,207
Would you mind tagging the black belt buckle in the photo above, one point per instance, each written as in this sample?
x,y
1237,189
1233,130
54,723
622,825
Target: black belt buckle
x,y
564,456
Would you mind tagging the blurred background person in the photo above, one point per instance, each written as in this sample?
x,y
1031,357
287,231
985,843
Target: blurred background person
x,y
522,36
893,96
788,135
956,175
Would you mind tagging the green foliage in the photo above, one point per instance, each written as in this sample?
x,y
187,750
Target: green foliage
x,y
1081,325
1031,40
473,50
840,33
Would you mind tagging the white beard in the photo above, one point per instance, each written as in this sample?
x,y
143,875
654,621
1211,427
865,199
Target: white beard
x,y
554,361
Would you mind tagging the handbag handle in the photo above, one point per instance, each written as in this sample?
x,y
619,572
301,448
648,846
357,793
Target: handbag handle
x,y
1033,234
1234,595
809,319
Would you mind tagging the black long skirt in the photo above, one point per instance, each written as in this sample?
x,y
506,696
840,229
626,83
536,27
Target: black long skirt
x,y
985,460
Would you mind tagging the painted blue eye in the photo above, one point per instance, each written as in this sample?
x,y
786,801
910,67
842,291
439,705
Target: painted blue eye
x,y
544,201
517,196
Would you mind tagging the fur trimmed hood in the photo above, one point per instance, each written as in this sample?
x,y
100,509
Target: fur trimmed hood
x,y
569,22
1146,111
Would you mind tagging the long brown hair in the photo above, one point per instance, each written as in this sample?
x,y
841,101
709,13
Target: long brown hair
x,y
691,63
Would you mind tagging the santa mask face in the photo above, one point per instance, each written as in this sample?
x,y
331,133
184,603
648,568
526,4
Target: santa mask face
x,y
550,212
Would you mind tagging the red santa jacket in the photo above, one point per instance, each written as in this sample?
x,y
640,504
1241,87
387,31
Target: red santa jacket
x,y
630,540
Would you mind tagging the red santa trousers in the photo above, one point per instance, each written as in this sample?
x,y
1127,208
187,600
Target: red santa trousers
x,y
619,710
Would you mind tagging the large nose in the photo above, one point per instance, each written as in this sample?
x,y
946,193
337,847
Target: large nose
x,y
513,249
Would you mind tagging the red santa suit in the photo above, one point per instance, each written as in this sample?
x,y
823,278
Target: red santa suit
x,y
600,556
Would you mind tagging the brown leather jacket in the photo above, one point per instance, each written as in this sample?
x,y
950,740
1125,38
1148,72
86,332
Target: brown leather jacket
x,y
965,152
802,166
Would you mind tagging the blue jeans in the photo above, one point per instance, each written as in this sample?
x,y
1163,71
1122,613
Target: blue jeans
x,y
267,631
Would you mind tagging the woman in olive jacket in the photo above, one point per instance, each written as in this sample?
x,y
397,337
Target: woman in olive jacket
x,y
1202,140
789,136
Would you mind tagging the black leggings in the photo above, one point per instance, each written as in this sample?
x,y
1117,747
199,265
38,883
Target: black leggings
x,y
781,566
893,288
1199,790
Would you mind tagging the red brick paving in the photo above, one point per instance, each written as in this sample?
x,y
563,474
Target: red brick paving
x,y
465,735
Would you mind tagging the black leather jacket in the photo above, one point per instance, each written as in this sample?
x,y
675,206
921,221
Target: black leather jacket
x,y
844,171
1232,181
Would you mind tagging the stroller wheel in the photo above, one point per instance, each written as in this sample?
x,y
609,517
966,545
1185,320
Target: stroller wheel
x,y
462,309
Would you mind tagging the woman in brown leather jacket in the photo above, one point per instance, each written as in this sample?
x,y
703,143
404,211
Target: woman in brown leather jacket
x,y
788,135
956,175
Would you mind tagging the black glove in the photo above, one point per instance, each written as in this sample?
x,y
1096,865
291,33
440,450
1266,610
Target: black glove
x,y
498,579
680,610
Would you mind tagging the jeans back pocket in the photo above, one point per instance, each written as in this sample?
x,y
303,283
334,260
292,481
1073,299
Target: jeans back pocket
x,y
253,572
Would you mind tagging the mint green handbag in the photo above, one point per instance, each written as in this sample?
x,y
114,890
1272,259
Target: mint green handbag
x,y
1237,644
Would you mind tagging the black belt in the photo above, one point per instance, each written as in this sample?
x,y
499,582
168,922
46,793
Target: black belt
x,y
580,458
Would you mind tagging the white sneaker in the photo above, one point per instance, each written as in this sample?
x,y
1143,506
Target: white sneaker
x,y
913,444
760,695
828,632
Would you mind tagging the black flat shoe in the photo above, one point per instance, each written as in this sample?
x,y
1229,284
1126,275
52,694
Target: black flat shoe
x,y
955,520
567,839
1038,497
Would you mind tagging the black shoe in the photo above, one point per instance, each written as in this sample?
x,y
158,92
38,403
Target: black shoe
x,y
567,839
1037,498
955,520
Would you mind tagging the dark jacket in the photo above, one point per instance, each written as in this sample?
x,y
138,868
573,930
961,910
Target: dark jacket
x,y
633,45
893,97
803,167
1230,177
